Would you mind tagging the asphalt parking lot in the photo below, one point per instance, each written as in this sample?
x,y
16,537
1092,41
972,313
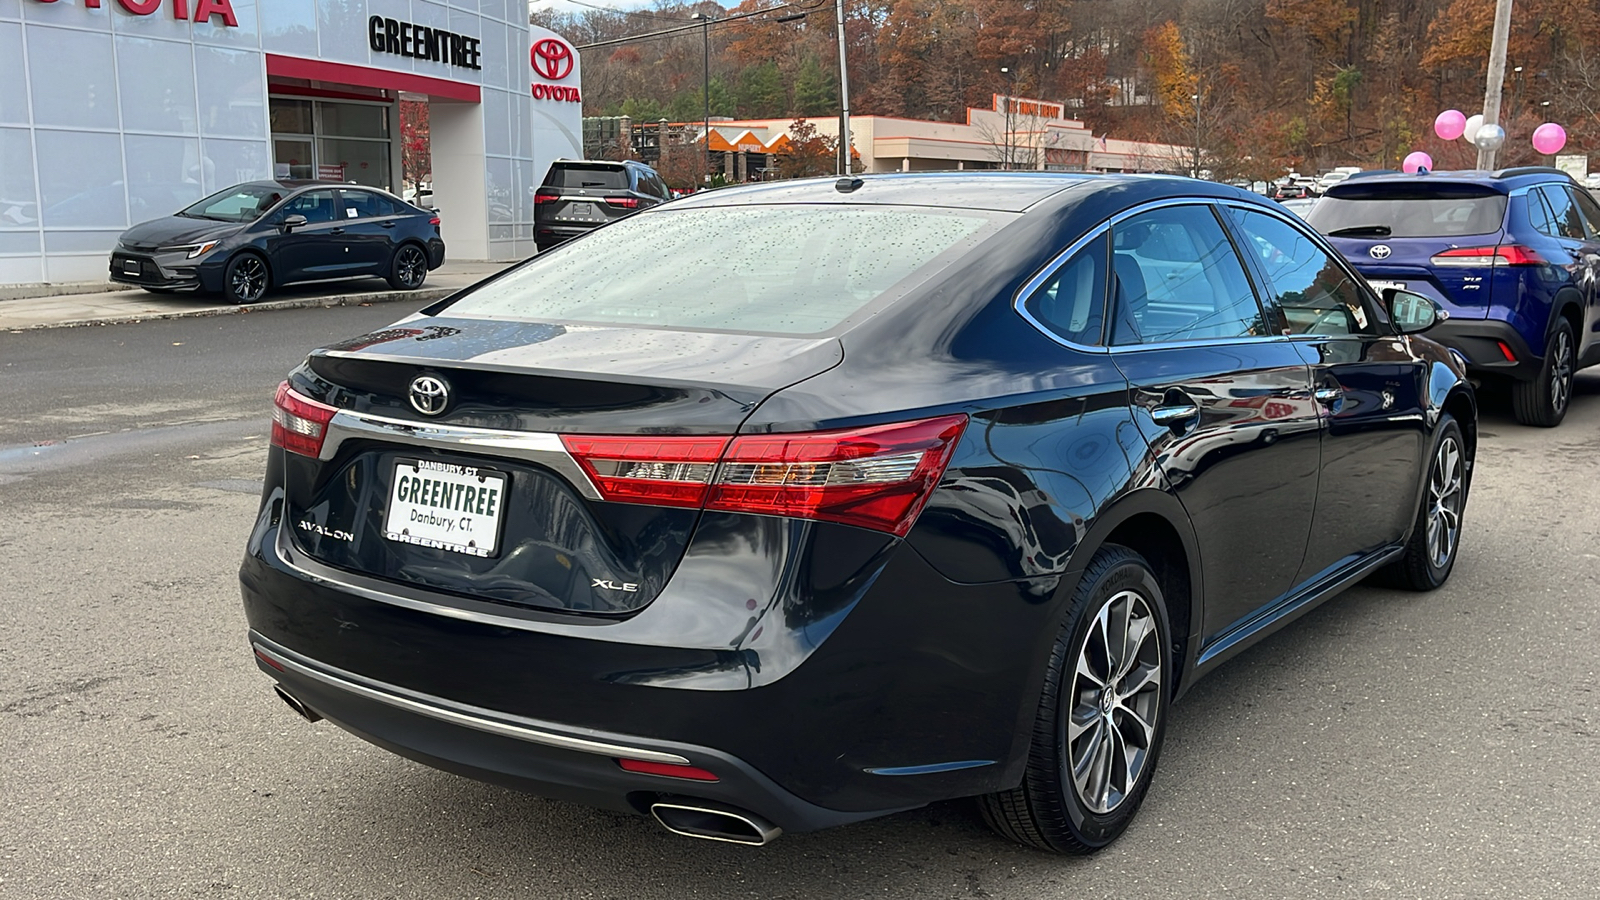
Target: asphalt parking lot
x,y
1388,745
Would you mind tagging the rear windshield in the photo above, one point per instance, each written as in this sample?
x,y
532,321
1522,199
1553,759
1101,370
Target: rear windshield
x,y
603,177
1346,211
775,269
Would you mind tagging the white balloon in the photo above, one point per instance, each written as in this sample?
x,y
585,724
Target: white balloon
x,y
1490,137
1473,124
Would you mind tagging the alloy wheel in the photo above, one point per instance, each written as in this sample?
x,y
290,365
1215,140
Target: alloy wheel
x,y
1115,699
410,266
249,279
1560,372
1444,502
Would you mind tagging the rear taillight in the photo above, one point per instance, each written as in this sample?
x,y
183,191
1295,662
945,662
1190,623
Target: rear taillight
x,y
1503,255
543,196
877,477
299,424
624,202
660,471
434,221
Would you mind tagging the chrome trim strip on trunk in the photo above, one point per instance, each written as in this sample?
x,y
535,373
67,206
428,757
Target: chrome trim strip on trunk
x,y
458,713
529,446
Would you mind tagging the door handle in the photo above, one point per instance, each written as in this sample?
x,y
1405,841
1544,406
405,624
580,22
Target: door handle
x,y
389,224
1175,414
1328,396
336,231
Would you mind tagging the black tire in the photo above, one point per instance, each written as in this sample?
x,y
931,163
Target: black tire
x,y
1426,565
246,279
409,268
1051,809
1543,401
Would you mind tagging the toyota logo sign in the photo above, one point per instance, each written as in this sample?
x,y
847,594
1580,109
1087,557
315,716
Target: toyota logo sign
x,y
430,394
1379,251
552,59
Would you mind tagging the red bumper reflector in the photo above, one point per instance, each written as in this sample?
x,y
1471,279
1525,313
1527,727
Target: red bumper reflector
x,y
1506,349
268,660
668,770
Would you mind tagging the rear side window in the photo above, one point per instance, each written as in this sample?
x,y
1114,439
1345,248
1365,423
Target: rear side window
x,y
1176,277
606,178
776,269
1591,211
1349,210
1071,302
366,205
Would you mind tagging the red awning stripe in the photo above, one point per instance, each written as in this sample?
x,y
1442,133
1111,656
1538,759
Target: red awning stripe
x,y
342,73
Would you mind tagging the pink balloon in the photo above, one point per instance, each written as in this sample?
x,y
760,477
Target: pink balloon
x,y
1417,160
1549,138
1450,124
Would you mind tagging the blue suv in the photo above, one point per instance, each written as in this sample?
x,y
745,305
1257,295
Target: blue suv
x,y
1512,256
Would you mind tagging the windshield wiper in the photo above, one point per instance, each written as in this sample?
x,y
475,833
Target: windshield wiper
x,y
1362,231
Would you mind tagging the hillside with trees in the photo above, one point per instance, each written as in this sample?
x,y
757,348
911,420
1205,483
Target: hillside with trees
x,y
1261,84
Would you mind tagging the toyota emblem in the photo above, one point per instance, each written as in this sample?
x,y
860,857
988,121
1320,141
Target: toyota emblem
x,y
1379,251
429,394
552,59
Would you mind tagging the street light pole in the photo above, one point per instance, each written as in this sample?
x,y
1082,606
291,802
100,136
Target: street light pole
x,y
705,49
1006,156
844,94
1497,75
1195,172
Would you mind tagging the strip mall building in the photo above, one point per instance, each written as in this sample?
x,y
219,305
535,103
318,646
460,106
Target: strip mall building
x,y
113,112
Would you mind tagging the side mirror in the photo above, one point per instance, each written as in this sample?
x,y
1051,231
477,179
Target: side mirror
x,y
292,222
1412,313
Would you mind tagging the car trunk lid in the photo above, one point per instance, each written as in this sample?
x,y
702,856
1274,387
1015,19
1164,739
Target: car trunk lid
x,y
484,498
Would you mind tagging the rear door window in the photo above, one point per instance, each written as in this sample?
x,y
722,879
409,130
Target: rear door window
x,y
1590,210
1176,277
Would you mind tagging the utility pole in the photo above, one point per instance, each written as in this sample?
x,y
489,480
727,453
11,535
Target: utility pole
x,y
705,49
1497,76
1195,172
844,94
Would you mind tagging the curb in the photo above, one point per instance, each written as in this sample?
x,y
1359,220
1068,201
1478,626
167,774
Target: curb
x,y
422,296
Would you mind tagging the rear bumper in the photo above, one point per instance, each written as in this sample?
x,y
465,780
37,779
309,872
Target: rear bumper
x,y
547,235
435,253
873,685
1479,341
551,760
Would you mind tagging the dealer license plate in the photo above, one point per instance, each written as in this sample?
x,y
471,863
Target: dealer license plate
x,y
1379,286
130,267
445,506
580,212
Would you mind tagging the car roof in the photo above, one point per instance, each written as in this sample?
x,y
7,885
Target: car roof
x,y
1500,180
1005,191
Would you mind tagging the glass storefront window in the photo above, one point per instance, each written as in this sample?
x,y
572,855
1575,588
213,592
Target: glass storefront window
x,y
315,137
353,120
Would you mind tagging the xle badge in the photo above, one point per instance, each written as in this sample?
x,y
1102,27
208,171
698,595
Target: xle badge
x,y
614,586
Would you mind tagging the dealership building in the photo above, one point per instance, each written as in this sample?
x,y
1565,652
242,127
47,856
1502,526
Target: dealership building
x,y
114,112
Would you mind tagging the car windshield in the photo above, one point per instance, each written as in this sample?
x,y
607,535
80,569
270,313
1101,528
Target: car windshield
x,y
773,269
244,203
1442,212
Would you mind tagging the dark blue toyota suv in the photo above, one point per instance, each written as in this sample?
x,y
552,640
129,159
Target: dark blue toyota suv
x,y
1511,255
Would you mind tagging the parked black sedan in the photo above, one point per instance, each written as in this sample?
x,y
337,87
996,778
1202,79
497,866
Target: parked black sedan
x,y
262,234
951,488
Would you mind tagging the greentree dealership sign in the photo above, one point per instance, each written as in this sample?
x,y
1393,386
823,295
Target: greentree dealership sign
x,y
421,42
179,9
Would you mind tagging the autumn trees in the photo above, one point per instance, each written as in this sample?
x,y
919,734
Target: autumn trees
x,y
1258,85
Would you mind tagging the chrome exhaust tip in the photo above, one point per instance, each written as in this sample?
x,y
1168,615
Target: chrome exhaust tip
x,y
711,821
302,710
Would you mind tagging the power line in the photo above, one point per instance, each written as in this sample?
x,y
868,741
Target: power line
x,y
667,32
626,12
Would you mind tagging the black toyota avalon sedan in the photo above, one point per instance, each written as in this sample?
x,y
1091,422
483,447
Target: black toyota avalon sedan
x,y
252,237
947,486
